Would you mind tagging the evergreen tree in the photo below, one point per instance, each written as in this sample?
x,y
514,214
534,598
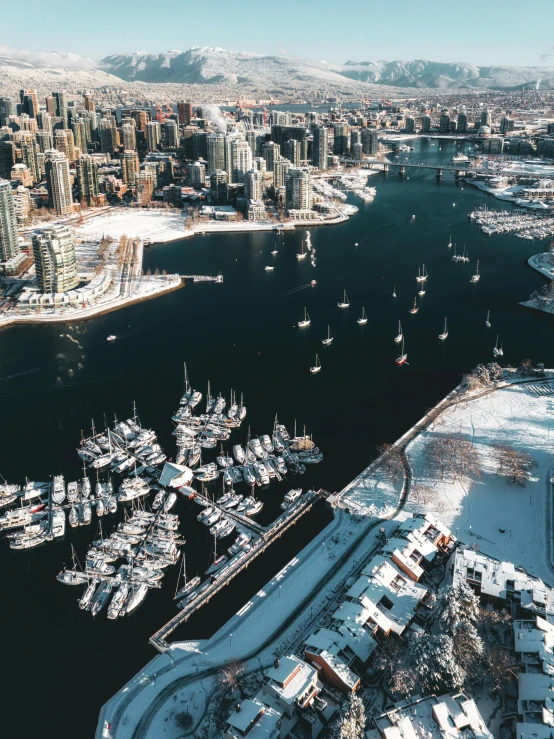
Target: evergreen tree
x,y
457,604
434,661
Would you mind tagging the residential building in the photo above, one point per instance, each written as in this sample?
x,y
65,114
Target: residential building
x,y
506,124
253,185
444,123
7,158
55,260
58,182
292,151
64,142
196,174
130,167
425,124
153,135
254,720
281,166
341,139
22,204
409,124
9,244
29,102
462,123
87,178
184,112
218,187
21,173
144,183
7,108
320,148
299,189
29,156
256,211
216,152
291,684
370,142
60,107
128,131
241,157
171,134
270,152
486,118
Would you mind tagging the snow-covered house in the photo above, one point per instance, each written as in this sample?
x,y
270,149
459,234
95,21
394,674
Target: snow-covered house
x,y
534,650
416,543
289,684
434,717
254,720
502,584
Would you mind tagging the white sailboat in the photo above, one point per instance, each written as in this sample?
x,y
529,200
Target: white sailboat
x,y
306,321
449,245
269,268
329,339
275,251
488,321
476,277
498,351
415,308
394,291
302,254
399,336
421,275
444,334
345,302
363,319
317,368
403,358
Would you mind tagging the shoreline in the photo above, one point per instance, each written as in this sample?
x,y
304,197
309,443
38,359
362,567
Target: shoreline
x,y
538,303
96,310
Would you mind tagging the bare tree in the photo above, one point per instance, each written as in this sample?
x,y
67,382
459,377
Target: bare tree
x,y
391,460
514,465
453,455
230,676
500,666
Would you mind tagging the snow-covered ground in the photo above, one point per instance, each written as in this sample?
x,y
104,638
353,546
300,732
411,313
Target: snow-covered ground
x,y
254,635
157,225
543,263
518,416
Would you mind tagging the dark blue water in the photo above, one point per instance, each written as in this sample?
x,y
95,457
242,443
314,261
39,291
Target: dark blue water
x,y
242,335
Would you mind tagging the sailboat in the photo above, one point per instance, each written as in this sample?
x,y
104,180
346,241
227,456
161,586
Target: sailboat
x,y
317,368
306,321
415,308
444,334
465,257
218,562
488,321
399,336
450,242
498,351
363,319
394,291
422,291
329,339
345,302
302,254
275,251
476,277
403,358
188,586
455,257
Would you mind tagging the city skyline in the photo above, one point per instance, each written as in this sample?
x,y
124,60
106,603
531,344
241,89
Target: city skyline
x,y
475,33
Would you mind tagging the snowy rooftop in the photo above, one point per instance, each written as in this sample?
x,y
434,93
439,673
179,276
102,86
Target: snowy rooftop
x,y
502,580
254,720
434,718
291,679
175,475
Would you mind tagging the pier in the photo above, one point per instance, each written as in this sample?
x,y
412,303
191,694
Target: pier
x,y
267,537
202,278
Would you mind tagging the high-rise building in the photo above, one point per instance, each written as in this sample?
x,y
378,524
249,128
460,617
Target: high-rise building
x,y
81,134
281,166
506,124
60,100
253,185
171,134
7,158
355,137
340,143
409,124
444,123
426,123
320,151
51,105
462,123
128,131
218,186
486,118
130,167
29,156
292,153
299,189
55,260
241,157
145,183
216,152
260,165
270,152
196,174
22,204
44,140
9,244
108,142
89,102
58,182
64,142
7,108
370,142
29,101
153,135
87,177
184,113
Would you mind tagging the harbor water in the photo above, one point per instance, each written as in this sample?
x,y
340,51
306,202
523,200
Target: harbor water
x,y
242,334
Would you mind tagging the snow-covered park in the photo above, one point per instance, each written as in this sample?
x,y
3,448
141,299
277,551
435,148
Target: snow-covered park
x,y
506,520
157,225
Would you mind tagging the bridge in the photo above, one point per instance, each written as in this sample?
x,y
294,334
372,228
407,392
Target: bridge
x,y
458,169
277,529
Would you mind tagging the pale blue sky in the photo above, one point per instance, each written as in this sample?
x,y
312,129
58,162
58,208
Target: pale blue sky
x,y
481,31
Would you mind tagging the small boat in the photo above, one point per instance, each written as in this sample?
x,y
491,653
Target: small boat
x,y
498,351
476,277
317,367
329,339
422,275
413,217
444,334
217,564
415,308
302,254
138,594
269,268
116,606
101,597
421,292
356,244
403,358
399,336
306,321
449,245
254,508
488,321
363,319
313,283
394,291
290,498
111,337
86,598
345,302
